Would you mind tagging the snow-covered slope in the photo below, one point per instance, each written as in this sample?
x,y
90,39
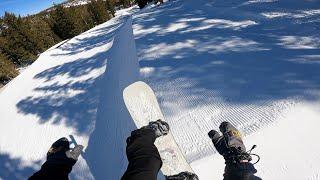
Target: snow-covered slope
x,y
213,61
68,92
254,63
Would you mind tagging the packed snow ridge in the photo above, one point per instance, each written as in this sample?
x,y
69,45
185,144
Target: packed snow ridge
x,y
253,63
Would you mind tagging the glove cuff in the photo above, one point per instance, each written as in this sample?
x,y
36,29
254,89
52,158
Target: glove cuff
x,y
236,156
239,170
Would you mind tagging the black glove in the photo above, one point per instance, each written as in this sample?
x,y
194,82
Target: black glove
x,y
183,176
60,152
230,144
60,159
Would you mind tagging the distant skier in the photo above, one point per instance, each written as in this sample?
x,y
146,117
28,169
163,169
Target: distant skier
x,y
144,158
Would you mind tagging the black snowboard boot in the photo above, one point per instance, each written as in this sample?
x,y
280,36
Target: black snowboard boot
x,y
183,176
161,128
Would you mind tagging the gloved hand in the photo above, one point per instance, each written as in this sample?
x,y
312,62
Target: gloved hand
x,y
60,159
230,144
60,152
183,176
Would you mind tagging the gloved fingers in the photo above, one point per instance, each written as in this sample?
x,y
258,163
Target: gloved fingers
x,y
75,152
229,131
191,176
61,145
232,136
183,176
62,142
163,126
214,136
226,127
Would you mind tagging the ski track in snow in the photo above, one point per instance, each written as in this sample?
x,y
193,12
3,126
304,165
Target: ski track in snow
x,y
254,63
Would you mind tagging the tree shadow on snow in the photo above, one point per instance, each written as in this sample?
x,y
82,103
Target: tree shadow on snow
x,y
79,108
89,101
228,48
244,62
11,168
76,101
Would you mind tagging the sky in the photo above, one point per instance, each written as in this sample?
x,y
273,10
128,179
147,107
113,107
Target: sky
x,y
25,7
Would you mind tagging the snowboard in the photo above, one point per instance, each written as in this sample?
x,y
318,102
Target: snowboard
x,y
143,107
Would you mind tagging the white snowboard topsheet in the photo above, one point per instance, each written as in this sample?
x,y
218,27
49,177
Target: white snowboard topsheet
x,y
143,108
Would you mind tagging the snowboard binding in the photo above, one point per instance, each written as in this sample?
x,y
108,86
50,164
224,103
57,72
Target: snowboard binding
x,y
161,128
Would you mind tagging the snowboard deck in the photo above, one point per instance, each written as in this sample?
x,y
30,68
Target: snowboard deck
x,y
143,107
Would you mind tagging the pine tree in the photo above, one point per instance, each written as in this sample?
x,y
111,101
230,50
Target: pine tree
x,y
2,26
82,18
110,6
63,24
22,39
17,45
7,70
98,11
41,35
125,3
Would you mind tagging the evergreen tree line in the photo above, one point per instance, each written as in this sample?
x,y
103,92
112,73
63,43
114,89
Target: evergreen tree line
x,y
22,39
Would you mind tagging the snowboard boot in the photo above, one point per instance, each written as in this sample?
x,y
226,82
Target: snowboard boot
x,y
183,176
161,128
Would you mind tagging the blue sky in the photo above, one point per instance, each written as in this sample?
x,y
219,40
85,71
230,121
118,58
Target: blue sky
x,y
24,7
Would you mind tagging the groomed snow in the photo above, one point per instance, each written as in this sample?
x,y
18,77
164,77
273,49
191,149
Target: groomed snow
x,y
253,63
214,61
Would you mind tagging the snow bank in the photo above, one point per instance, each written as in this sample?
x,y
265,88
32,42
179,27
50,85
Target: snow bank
x,y
106,147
